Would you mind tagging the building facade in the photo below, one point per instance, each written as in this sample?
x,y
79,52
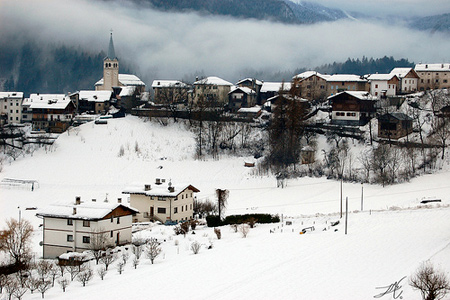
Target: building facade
x,y
162,201
77,228
11,107
433,76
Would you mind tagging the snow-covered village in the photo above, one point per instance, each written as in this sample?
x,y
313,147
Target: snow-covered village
x,y
319,185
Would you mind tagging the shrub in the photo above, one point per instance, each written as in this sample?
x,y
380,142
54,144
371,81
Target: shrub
x,y
218,233
251,219
213,221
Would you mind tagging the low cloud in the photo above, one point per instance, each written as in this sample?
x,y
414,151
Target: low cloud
x,y
171,45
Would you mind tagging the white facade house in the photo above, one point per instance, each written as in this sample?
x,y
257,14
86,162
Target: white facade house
x,y
383,84
162,201
11,107
408,79
212,89
75,228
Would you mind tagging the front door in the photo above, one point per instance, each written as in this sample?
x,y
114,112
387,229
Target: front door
x,y
118,239
152,212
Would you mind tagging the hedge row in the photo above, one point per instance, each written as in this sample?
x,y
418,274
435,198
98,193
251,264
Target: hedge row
x,y
214,221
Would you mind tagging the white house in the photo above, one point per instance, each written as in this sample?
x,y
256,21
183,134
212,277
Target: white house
x,y
408,79
382,85
68,227
162,201
11,107
213,89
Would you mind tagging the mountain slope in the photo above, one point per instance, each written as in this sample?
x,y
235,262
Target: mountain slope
x,y
272,10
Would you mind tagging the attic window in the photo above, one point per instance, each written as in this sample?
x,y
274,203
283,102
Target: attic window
x,y
86,223
69,222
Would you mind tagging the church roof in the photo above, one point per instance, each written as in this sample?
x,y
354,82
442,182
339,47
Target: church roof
x,y
126,80
111,53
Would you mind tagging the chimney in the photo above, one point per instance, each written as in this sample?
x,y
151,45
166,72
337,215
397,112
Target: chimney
x,y
147,187
74,211
158,181
171,188
119,200
77,200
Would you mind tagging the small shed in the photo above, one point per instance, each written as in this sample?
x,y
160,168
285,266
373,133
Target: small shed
x,y
394,125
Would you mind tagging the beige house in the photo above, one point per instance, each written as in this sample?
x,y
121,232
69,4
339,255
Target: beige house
x,y
11,107
345,82
75,228
433,76
162,201
170,91
310,85
212,90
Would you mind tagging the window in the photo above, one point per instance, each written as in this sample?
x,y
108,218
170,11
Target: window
x,y
376,86
182,208
70,238
445,81
86,239
175,210
112,219
111,234
161,199
118,220
186,207
86,223
69,222
161,210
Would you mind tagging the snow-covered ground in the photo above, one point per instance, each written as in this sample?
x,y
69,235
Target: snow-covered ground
x,y
385,242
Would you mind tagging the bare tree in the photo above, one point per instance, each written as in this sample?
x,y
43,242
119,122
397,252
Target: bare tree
x,y
19,291
43,268
108,258
244,229
11,285
222,197
73,271
195,247
153,249
380,163
63,283
135,262
86,275
15,240
120,266
98,243
33,283
44,286
101,271
3,281
431,282
441,132
53,272
137,248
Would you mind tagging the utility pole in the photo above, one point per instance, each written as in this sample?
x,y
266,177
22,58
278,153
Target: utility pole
x,y
341,197
362,195
346,213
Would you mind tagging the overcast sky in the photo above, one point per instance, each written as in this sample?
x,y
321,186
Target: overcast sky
x,y
390,7
171,45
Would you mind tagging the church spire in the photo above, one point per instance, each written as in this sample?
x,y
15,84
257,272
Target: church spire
x,y
111,53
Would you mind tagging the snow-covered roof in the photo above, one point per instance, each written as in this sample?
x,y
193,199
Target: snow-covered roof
x,y
126,80
308,74
168,83
245,90
127,91
158,189
47,101
275,86
254,109
396,115
257,82
95,96
401,72
432,67
18,95
345,77
361,95
82,211
213,80
380,77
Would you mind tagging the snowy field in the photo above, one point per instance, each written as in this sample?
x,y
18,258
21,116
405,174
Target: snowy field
x,y
385,242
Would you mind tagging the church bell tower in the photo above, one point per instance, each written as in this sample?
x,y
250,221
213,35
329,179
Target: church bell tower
x,y
110,68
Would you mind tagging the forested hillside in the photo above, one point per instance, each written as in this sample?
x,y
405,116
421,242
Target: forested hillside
x,y
53,69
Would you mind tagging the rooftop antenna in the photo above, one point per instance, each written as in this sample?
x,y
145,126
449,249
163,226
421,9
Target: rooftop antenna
x,y
106,198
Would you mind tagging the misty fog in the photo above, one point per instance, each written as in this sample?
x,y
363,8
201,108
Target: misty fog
x,y
174,45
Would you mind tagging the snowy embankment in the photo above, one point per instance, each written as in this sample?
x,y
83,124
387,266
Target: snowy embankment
x,y
381,247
